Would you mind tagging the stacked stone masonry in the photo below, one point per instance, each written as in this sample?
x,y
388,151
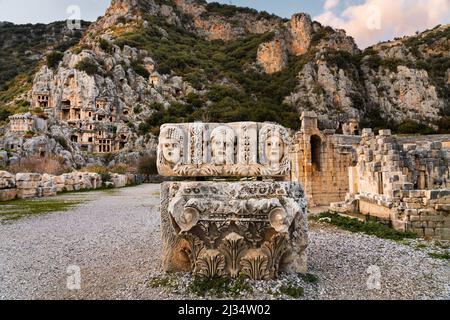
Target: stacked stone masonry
x,y
405,183
321,160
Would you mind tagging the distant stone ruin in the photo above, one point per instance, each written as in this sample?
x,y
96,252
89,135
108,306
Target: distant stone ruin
x,y
321,160
23,123
404,183
225,227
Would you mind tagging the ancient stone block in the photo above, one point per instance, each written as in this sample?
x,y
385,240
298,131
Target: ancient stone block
x,y
443,207
228,150
226,228
7,180
385,133
412,205
27,193
8,194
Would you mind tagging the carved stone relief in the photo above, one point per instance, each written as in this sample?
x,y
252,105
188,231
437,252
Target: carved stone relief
x,y
243,149
254,228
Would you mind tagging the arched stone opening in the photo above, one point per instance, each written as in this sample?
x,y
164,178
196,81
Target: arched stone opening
x,y
316,153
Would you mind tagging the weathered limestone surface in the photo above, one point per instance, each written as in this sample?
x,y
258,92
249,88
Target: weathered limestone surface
x,y
31,185
28,185
404,183
272,56
321,160
240,149
7,186
7,180
225,229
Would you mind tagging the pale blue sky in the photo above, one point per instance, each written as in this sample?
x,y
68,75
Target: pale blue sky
x,y
24,11
368,21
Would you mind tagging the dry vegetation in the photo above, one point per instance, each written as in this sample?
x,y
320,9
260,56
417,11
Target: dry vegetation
x,y
35,164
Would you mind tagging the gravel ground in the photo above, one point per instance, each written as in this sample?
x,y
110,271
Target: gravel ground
x,y
114,238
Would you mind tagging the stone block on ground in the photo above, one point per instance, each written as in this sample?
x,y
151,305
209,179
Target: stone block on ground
x,y
227,228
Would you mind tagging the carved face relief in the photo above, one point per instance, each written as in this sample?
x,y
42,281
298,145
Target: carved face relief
x,y
171,150
222,145
171,146
188,219
274,149
274,144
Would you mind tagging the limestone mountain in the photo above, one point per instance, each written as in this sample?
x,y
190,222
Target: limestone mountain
x,y
148,62
22,48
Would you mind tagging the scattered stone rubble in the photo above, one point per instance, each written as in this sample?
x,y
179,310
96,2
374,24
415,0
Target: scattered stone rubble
x,y
33,185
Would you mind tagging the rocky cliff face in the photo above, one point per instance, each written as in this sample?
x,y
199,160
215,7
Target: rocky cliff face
x,y
146,62
21,46
22,49
403,81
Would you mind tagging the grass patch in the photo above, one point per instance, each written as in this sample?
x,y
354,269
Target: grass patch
x,y
15,209
165,282
371,227
440,255
442,245
219,287
309,278
292,290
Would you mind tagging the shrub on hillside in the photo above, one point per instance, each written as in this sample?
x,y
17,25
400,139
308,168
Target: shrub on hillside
x,y
50,164
4,114
54,58
121,168
94,168
88,66
412,127
140,69
106,46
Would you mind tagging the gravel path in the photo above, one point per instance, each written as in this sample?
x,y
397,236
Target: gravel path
x,y
114,238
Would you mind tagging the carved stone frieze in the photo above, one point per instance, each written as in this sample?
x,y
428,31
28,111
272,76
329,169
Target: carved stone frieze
x,y
242,149
229,228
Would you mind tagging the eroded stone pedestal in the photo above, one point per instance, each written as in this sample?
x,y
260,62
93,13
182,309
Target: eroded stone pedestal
x,y
228,228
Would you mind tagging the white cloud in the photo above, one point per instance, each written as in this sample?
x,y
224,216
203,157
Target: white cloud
x,y
330,4
380,20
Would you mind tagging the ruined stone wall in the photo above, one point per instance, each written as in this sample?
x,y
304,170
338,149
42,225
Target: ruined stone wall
x,y
321,162
386,167
405,183
425,212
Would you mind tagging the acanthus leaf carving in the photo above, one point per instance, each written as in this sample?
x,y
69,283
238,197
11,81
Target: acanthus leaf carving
x,y
255,265
234,247
275,249
211,264
255,225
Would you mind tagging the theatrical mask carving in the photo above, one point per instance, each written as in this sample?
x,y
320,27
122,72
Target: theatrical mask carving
x,y
222,146
170,149
242,149
274,145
